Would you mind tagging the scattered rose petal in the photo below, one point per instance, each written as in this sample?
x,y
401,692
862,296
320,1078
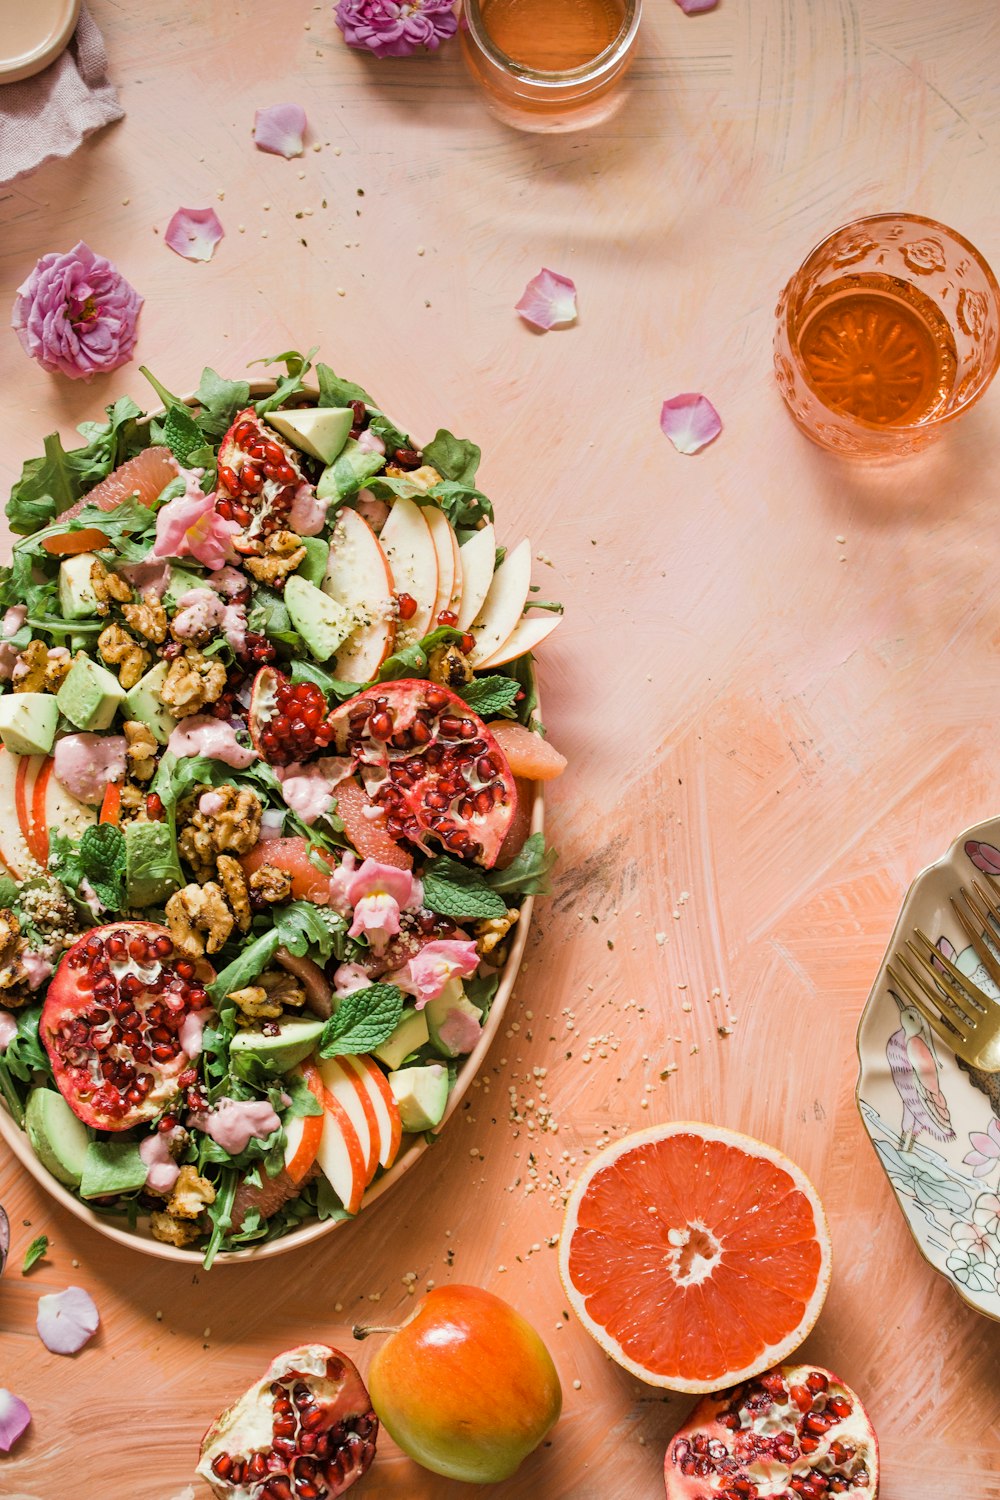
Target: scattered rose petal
x,y
690,421
279,129
695,7
66,1320
194,233
390,29
548,300
14,1418
76,314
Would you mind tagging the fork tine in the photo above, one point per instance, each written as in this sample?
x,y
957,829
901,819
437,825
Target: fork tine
x,y
975,933
945,996
965,986
949,1034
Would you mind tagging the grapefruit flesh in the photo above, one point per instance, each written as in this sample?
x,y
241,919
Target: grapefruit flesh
x,y
144,476
367,834
309,882
527,753
697,1257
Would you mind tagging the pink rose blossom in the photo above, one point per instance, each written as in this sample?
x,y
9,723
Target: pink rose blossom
x,y
348,978
428,971
378,893
76,314
395,28
190,526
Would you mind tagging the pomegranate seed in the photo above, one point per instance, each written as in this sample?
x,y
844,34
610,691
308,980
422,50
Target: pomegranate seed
x,y
840,1406
154,806
447,617
467,642
252,479
245,432
407,458
406,605
817,1382
380,726
222,1466
801,1397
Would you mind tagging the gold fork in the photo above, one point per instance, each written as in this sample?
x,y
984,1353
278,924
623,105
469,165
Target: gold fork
x,y
966,1019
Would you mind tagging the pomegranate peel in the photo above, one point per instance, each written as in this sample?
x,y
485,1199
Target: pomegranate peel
x,y
305,1429
259,478
796,1432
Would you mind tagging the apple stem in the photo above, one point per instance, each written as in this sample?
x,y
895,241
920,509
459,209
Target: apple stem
x,y
363,1331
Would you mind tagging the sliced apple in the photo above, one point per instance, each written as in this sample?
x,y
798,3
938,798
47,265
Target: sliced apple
x,y
445,549
303,1134
478,556
341,1158
15,853
526,635
358,576
53,807
390,1126
409,546
344,1085
503,605
24,785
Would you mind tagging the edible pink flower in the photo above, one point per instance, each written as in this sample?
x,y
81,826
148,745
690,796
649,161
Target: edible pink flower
x,y
76,314
548,300
66,1320
377,893
395,28
190,526
435,965
348,978
8,1029
14,1419
985,1153
690,421
279,129
194,233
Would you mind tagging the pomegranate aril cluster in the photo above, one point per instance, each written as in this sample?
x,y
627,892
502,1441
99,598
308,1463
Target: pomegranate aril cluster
x,y
309,1455
242,482
299,725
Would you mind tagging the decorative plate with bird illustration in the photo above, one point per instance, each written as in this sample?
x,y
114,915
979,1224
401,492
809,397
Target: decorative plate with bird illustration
x,y
934,1122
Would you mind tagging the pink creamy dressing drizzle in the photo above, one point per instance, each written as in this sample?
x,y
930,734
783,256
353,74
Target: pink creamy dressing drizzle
x,y
12,622
199,611
162,1171
370,442
37,966
234,1123
308,789
213,738
8,1029
189,1032
85,763
211,803
307,516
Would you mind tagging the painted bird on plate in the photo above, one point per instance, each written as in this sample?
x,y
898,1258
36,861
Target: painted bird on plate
x,y
914,1067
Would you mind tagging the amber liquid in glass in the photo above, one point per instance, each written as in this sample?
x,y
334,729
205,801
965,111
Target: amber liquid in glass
x,y
878,349
552,35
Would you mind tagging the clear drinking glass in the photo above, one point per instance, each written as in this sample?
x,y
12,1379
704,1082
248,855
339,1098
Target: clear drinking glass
x,y
887,332
546,79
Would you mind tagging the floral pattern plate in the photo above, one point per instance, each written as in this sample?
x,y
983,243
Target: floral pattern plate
x,y
934,1123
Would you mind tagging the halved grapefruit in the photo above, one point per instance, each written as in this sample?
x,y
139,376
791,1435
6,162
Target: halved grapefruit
x,y
697,1257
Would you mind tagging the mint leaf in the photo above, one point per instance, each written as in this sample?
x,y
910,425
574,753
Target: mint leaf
x,y
336,392
362,1021
527,873
455,890
455,458
490,695
34,1253
182,434
102,861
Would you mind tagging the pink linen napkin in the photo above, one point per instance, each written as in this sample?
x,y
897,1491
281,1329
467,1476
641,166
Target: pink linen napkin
x,y
49,115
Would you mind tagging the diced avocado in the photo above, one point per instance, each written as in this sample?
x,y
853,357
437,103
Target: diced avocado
x,y
313,566
143,702
58,1138
421,1094
77,599
320,431
28,722
179,580
112,1167
322,623
295,1040
152,870
90,694
348,473
409,1036
453,1022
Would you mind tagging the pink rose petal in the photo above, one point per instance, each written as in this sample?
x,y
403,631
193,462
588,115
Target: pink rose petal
x,y
279,129
67,1320
194,233
14,1418
548,300
690,421
695,7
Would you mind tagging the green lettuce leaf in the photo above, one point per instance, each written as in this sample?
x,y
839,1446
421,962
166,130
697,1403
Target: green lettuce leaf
x,y
455,458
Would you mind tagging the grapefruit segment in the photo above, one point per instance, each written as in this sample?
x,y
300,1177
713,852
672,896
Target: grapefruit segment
x,y
695,1256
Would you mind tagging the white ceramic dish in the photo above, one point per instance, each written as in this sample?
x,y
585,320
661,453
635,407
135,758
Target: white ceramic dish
x,y
32,35
934,1125
141,1239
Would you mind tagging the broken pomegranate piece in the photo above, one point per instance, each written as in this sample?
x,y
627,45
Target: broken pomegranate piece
x,y
258,477
122,1023
288,721
794,1433
305,1431
432,765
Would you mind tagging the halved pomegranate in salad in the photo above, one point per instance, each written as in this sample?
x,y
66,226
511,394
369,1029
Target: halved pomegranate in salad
x,y
259,475
287,720
794,1433
122,1023
432,765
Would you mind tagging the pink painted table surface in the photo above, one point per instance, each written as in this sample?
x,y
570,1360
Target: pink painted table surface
x,y
776,679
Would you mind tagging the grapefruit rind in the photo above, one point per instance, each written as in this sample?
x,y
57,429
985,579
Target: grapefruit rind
x,y
770,1353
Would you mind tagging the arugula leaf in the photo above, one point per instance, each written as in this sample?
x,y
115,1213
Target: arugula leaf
x,y
245,967
219,400
527,873
102,860
8,890
490,695
19,584
523,670
412,660
303,925
221,1213
49,485
455,458
389,433
303,1100
362,1020
25,1054
34,1252
307,671
480,990
457,890
336,392
298,366
464,506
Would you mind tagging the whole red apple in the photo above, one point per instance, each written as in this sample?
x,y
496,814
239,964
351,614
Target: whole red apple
x,y
465,1386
